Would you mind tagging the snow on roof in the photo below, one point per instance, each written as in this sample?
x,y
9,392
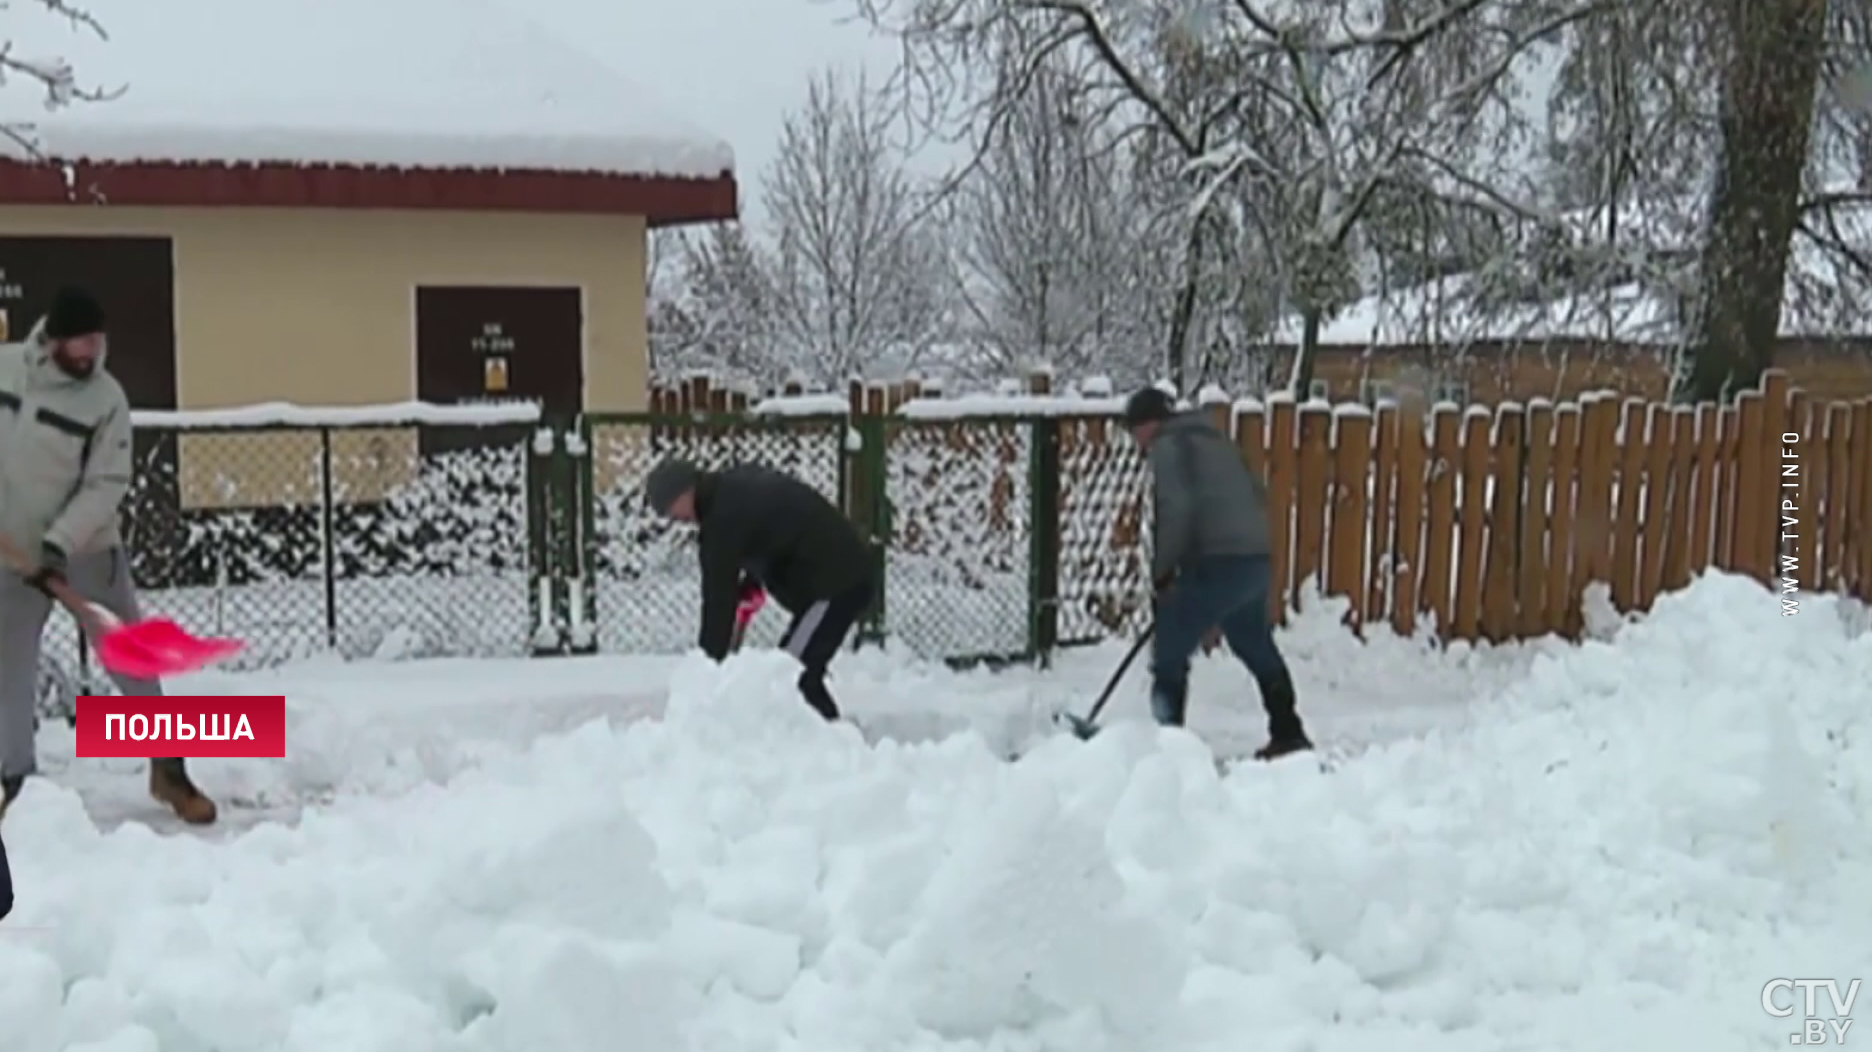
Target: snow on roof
x,y
375,83
1442,312
1823,297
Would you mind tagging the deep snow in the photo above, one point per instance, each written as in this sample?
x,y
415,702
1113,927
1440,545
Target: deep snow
x,y
1542,848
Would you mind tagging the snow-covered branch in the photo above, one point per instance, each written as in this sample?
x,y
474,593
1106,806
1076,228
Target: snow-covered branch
x,y
53,76
856,269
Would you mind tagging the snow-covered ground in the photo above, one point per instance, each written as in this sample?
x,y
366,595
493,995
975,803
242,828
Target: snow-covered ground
x,y
1538,848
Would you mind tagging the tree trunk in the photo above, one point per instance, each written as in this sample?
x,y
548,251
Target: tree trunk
x,y
1183,315
1766,110
1300,384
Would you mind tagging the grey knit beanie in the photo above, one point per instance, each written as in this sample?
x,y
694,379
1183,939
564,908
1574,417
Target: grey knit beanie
x,y
670,479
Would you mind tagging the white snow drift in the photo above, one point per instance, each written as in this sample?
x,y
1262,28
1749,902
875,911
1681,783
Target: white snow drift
x,y
1617,852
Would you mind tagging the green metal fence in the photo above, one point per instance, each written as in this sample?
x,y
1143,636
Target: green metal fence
x,y
957,519
996,538
633,582
380,540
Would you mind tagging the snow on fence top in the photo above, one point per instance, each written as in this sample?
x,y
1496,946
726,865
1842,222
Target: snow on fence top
x,y
1008,405
1035,396
285,414
926,399
803,405
374,83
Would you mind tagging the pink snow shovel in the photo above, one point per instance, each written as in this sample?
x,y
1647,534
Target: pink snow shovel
x,y
147,649
751,602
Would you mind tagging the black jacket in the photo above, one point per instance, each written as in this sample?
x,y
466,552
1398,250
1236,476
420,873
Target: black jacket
x,y
778,532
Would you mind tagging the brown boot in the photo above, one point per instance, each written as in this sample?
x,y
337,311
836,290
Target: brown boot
x,y
169,783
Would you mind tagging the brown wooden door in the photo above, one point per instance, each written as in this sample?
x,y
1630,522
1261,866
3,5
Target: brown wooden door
x,y
134,279
498,344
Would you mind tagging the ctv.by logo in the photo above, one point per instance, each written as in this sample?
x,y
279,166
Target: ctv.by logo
x,y
1815,1029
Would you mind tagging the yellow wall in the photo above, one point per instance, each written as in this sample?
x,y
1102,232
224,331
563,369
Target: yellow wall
x,y
282,468
318,307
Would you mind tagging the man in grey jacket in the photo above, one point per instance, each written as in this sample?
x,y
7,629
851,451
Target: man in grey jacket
x,y
65,467
1212,563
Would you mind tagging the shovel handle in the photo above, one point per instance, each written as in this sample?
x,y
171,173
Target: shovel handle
x,y
87,612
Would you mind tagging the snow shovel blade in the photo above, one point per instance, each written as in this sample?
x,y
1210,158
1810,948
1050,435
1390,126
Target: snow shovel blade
x,y
159,647
1082,728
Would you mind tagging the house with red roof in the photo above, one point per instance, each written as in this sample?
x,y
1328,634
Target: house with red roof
x,y
348,202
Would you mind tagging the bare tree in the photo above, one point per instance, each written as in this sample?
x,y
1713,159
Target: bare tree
x,y
671,329
55,77
1769,84
717,311
1829,282
858,273
1291,125
1723,154
1048,237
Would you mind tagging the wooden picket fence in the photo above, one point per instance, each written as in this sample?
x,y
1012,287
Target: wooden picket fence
x,y
1494,522
1490,523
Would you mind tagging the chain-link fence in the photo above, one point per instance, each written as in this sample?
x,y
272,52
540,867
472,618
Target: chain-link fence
x,y
958,511
999,537
385,541
646,576
1104,517
986,524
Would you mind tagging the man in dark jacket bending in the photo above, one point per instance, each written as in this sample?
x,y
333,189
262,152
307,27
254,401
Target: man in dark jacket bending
x,y
767,530
1211,563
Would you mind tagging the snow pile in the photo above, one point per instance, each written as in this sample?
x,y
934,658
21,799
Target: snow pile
x,y
393,83
1623,847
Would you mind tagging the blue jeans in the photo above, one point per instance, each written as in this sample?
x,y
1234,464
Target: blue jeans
x,y
1229,592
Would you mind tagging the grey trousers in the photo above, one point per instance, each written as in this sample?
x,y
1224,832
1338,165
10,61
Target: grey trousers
x,y
103,578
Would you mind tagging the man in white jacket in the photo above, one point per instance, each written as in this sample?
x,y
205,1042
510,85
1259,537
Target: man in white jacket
x,y
65,468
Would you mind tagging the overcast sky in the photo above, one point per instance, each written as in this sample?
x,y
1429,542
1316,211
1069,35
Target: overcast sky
x,y
735,67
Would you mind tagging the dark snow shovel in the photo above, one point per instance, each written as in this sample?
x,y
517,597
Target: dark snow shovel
x,y
1084,727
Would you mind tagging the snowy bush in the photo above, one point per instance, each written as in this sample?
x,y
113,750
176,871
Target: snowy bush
x,y
958,500
1104,521
232,540
460,512
464,514
412,555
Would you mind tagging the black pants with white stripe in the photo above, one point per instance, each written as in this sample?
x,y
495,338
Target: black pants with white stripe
x,y
6,883
815,637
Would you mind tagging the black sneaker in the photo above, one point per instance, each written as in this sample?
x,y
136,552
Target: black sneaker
x,y
1284,745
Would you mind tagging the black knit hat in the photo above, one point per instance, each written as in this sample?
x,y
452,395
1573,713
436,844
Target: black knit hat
x,y
74,313
1149,406
670,479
